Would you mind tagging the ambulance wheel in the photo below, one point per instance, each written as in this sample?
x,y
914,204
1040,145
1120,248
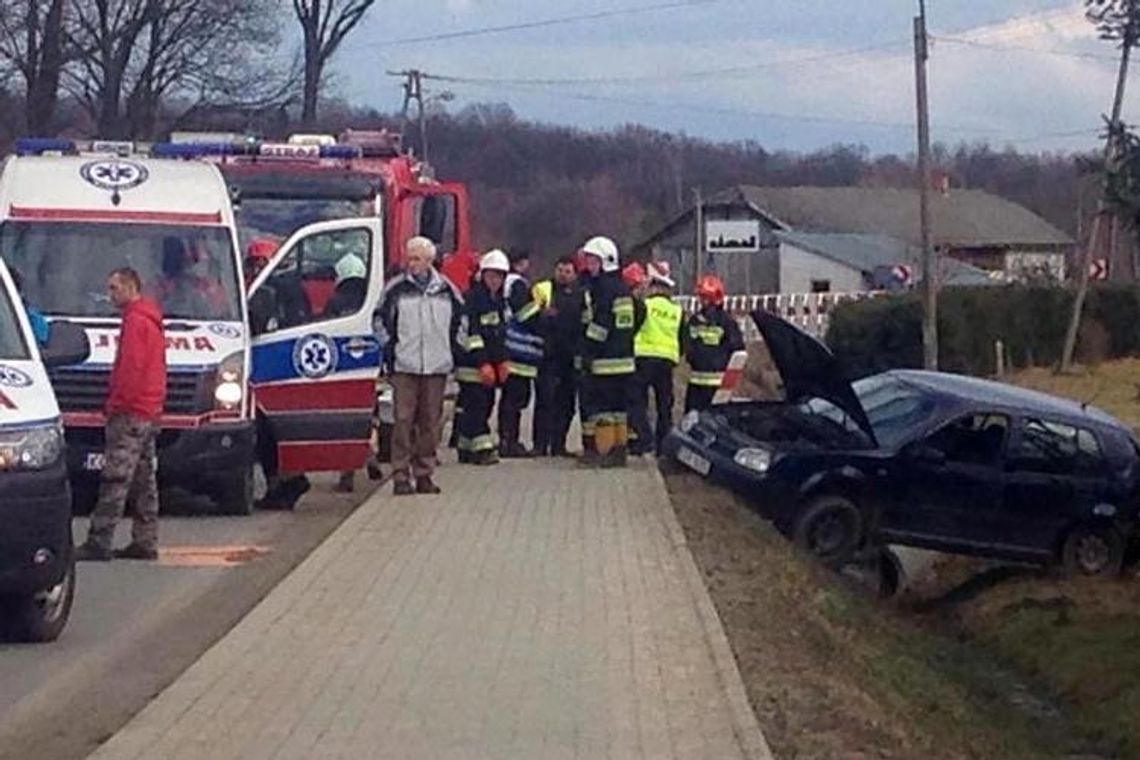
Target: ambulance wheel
x,y
234,494
41,616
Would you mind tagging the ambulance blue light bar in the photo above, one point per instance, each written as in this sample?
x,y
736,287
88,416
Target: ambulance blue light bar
x,y
38,146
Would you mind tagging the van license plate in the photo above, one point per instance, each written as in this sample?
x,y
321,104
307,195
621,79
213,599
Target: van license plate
x,y
694,461
94,462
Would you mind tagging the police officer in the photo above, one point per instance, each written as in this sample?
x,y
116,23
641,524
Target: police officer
x,y
562,301
712,337
657,347
482,359
524,351
608,360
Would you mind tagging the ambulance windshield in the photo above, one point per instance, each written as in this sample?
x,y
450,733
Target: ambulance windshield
x,y
12,343
281,217
190,271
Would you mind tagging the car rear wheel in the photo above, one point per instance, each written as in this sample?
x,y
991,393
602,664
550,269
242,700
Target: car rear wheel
x,y
41,617
830,529
1093,550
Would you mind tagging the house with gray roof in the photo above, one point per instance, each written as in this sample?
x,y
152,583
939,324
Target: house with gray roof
x,y
772,239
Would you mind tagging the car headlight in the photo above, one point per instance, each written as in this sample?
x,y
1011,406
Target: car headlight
x,y
758,460
34,448
229,389
689,421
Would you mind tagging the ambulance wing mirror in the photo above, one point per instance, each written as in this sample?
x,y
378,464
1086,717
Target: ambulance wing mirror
x,y
67,345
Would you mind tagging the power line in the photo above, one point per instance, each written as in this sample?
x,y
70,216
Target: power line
x,y
1001,47
639,79
541,23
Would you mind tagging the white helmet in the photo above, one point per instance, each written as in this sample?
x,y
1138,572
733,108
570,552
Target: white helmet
x,y
494,261
350,266
659,272
606,250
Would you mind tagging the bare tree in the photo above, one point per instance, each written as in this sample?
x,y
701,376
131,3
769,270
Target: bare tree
x,y
324,25
139,57
33,42
1117,21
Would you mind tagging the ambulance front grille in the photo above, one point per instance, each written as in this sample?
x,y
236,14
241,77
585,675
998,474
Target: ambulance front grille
x,y
85,390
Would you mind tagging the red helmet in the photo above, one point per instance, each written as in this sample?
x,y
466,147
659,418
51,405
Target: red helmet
x,y
580,265
262,248
710,290
634,275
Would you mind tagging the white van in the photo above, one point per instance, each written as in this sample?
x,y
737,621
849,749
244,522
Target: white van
x,y
300,381
37,573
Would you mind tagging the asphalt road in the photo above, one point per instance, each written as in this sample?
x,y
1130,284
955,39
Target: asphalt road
x,y
136,626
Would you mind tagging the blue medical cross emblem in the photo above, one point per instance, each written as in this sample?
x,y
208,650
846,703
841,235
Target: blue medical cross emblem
x,y
315,356
114,175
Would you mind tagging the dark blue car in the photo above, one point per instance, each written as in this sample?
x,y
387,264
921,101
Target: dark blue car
x,y
923,459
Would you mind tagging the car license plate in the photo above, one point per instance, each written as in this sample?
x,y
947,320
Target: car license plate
x,y
94,462
694,461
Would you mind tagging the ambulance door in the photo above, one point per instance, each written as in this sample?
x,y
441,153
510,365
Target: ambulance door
x,y
315,360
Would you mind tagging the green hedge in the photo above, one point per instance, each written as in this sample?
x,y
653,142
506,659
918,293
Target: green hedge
x,y
886,333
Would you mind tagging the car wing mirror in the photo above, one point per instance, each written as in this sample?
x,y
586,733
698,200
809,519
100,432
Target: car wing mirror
x,y
67,345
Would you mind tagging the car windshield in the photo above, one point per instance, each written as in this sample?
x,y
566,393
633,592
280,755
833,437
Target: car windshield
x,y
189,270
280,218
12,343
894,408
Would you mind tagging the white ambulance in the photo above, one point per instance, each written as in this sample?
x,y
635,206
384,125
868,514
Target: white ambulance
x,y
37,573
294,390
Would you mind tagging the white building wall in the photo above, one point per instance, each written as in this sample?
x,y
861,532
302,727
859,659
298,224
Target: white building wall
x,y
798,268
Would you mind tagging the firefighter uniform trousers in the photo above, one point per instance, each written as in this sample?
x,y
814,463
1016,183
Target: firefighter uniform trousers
x,y
474,423
614,322
129,476
556,393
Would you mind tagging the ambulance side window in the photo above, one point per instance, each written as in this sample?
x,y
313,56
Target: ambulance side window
x,y
326,276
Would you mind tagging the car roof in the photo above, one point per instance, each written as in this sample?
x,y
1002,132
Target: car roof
x,y
1008,397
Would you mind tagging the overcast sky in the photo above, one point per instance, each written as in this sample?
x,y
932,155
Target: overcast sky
x,y
808,73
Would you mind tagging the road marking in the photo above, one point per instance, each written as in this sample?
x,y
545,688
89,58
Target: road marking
x,y
210,556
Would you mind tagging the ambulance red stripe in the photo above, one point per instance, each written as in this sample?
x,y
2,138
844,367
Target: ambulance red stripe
x,y
114,215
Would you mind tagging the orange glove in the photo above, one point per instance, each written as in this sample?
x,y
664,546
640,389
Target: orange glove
x,y
504,370
487,374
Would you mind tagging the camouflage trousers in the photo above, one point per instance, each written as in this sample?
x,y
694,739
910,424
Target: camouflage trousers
x,y
129,477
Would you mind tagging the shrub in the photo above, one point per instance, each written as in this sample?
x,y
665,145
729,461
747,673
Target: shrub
x,y
886,333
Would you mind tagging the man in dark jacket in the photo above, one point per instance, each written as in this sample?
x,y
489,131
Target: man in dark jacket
x,y
712,337
608,358
135,398
562,301
482,360
418,324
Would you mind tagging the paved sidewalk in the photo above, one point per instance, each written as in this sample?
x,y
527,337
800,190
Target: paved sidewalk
x,y
532,611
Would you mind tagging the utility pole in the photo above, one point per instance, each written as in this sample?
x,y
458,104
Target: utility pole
x,y
929,261
1084,258
699,236
414,90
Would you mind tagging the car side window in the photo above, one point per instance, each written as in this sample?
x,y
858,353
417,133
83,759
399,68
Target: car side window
x,y
1055,448
325,277
976,439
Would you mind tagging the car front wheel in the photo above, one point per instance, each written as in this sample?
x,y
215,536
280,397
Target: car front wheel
x,y
830,529
41,616
1093,550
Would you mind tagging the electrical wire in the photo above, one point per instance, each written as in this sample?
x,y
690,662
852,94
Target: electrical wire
x,y
1001,47
540,23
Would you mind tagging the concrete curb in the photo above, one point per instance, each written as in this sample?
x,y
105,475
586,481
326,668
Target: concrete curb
x,y
745,725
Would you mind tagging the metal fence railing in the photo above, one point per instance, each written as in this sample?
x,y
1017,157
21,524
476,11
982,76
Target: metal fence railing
x,y
809,311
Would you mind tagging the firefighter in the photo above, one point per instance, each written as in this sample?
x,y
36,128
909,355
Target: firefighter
x,y
657,347
525,352
711,339
482,359
608,361
562,300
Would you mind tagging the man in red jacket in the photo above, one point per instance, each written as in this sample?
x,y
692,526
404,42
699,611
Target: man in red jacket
x,y
135,398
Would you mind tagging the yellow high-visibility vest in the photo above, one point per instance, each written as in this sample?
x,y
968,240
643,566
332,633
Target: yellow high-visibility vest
x,y
660,334
543,294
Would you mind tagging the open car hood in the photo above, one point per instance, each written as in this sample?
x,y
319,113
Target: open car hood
x,y
808,368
